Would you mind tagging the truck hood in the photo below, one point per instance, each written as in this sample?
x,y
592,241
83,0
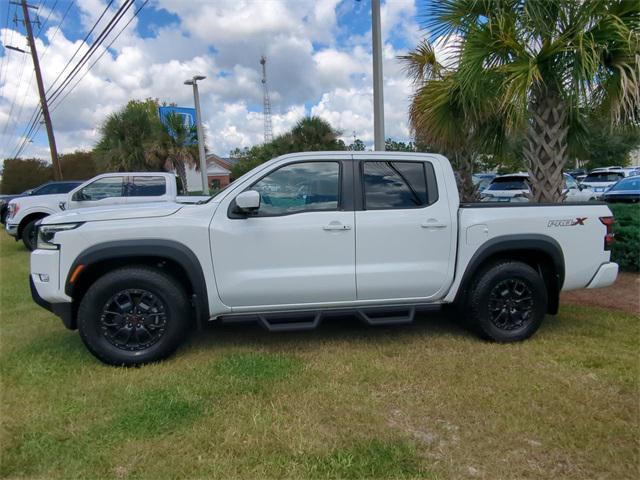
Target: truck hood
x,y
114,212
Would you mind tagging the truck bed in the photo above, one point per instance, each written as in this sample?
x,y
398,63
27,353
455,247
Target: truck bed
x,y
575,227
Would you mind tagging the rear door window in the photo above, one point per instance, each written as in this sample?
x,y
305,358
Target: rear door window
x,y
398,185
147,186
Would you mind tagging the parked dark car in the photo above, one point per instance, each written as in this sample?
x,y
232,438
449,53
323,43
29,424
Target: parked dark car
x,y
626,190
48,188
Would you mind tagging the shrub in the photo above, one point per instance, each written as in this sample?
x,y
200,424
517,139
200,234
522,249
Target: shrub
x,y
626,248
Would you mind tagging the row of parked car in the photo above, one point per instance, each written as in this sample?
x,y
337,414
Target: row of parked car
x,y
21,213
610,184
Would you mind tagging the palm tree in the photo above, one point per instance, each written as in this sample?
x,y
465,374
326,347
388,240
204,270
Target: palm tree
x,y
174,148
548,62
124,135
315,133
440,116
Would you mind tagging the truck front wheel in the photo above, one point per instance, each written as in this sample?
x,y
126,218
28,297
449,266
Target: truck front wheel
x,y
508,301
29,234
133,315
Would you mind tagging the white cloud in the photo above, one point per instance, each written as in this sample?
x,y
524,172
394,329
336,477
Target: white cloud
x,y
309,71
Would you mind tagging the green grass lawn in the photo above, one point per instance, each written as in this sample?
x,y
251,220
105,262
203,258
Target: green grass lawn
x,y
346,401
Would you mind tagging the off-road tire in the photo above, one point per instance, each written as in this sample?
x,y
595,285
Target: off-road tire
x,y
29,233
487,292
162,286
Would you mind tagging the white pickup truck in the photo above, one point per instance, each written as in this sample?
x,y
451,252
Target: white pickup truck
x,y
307,235
101,190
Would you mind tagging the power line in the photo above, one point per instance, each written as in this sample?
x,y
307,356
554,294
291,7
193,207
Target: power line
x,y
84,41
100,56
98,41
66,12
15,96
6,52
4,41
43,24
36,110
29,129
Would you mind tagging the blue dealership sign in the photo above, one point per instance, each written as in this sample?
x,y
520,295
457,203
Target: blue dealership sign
x,y
188,114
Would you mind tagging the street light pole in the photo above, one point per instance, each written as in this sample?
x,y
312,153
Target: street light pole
x,y
201,154
378,97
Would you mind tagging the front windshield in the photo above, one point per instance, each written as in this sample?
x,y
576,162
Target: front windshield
x,y
626,185
508,184
603,177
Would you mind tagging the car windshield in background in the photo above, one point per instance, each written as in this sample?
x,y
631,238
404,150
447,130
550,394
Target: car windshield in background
x,y
603,177
55,188
508,184
626,185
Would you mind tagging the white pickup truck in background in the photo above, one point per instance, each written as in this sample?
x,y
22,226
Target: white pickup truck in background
x,y
99,191
303,236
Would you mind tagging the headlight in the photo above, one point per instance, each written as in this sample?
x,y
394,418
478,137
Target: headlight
x,y
13,209
47,233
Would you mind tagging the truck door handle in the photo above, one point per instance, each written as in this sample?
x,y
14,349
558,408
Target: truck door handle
x,y
433,224
336,226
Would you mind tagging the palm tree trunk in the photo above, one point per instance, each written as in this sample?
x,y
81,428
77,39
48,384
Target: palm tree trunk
x,y
182,173
546,146
463,167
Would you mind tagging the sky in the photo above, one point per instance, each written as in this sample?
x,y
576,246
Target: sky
x,y
318,63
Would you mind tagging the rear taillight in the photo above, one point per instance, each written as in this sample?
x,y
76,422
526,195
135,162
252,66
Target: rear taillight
x,y
609,237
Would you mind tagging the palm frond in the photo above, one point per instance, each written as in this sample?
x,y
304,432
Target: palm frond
x,y
421,64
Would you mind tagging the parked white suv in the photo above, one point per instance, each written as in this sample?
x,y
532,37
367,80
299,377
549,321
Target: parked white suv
x,y
308,235
601,180
107,189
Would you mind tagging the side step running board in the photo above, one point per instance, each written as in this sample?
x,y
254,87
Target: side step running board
x,y
383,317
309,320
278,323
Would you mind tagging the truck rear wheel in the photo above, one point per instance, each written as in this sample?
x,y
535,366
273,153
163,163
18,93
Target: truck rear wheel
x,y
508,301
133,315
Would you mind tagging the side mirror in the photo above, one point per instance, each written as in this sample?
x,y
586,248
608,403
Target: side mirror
x,y
79,196
248,201
62,205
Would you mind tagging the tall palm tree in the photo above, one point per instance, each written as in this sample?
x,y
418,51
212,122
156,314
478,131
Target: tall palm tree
x,y
441,116
548,62
174,148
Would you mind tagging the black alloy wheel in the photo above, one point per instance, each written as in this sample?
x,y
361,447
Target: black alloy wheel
x,y
133,319
511,304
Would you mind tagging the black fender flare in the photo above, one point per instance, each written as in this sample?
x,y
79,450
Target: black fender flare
x,y
154,248
519,242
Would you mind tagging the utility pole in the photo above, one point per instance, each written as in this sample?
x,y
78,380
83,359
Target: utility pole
x,y
57,172
203,160
378,97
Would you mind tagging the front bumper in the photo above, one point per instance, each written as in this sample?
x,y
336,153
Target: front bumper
x,y
12,229
605,276
44,281
63,310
